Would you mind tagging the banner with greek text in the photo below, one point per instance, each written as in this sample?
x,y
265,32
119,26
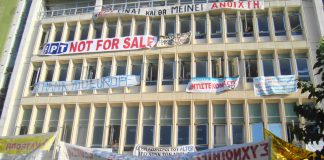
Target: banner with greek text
x,y
89,84
212,85
274,85
26,147
175,40
256,151
142,150
100,45
182,9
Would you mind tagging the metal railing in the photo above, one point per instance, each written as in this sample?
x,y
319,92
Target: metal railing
x,y
67,12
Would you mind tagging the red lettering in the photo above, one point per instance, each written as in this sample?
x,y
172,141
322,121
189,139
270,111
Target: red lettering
x,y
254,150
107,44
214,5
150,41
81,46
229,4
115,43
142,45
266,149
249,4
229,154
241,4
126,42
134,43
89,44
99,44
74,46
237,153
246,152
256,4
222,4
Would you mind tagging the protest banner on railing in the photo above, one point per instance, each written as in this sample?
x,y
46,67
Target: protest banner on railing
x,y
274,85
212,85
143,150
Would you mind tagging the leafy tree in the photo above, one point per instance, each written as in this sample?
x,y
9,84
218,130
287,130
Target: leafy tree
x,y
312,114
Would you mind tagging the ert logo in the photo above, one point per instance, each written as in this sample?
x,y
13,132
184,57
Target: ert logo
x,y
56,48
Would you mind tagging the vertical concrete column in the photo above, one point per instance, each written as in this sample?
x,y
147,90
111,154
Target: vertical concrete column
x,y
65,32
38,40
239,26
78,30
229,140
192,65
276,63
61,121
224,27
31,125
287,23
157,125
144,74
47,118
106,126
283,118
56,74
246,122
293,63
42,74
255,26
260,64
133,27
19,120
123,130
192,123
52,33
98,5
176,72
271,25
208,28
160,73
209,64
75,126
104,31
175,124
91,125
264,113
91,32
147,26
162,26
193,28
139,138
177,24
226,66
118,27
210,124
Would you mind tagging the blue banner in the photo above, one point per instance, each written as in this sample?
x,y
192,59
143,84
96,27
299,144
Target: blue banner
x,y
274,85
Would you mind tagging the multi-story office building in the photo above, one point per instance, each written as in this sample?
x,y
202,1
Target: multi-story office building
x,y
280,39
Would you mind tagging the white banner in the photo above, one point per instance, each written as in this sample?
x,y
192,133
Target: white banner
x,y
255,151
212,85
182,9
100,45
89,84
274,85
176,40
142,150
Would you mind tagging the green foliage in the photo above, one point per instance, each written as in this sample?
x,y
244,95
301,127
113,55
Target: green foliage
x,y
313,130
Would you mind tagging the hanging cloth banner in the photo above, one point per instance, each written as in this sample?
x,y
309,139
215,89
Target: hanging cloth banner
x,y
281,149
142,150
182,9
89,84
212,85
100,45
34,146
175,40
274,85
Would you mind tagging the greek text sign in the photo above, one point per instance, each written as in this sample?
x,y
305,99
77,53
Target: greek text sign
x,y
142,150
90,84
187,8
100,45
212,85
274,85
178,39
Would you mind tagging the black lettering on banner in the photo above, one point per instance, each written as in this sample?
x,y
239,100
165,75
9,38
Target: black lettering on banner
x,y
245,152
265,148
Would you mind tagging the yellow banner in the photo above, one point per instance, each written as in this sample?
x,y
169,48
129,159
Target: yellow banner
x,y
26,144
281,149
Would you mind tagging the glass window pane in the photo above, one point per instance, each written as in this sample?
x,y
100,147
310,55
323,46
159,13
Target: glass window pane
x,y
279,24
201,114
238,134
268,69
285,66
166,115
295,23
255,113
130,135
77,71
219,113
185,71
63,72
290,113
183,114
149,115
276,129
97,30
121,68
115,115
140,27
201,68
58,33
216,26
126,26
302,67
263,25
148,134
170,27
84,31
155,27
136,68
273,112
201,135
251,66
113,137
132,115
231,25
91,72
97,136
220,135
106,69
71,32
257,132
111,29
237,113
185,24
200,27
247,25
183,135
165,135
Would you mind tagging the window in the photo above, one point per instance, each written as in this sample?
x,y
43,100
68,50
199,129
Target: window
x,y
231,25
256,122
97,30
285,64
201,67
263,25
137,67
58,33
200,1
172,2
200,27
44,38
170,27
114,128
49,73
185,24
84,31
105,68
63,72
183,125
71,32
77,70
295,23
251,68
111,29
201,127
168,69
216,26
233,66
219,116
237,123
279,24
185,2
166,115
98,128
148,125
217,67
131,126
267,62
155,27
35,77
91,71
274,119
126,26
247,25
185,70
290,114
140,27
302,68
121,67
39,122
158,3
25,121
67,126
83,125
53,123
152,72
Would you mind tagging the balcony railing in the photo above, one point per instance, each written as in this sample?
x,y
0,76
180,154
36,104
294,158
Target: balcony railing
x,y
67,12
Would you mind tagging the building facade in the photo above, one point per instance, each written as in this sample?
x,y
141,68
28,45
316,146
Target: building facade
x,y
280,39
